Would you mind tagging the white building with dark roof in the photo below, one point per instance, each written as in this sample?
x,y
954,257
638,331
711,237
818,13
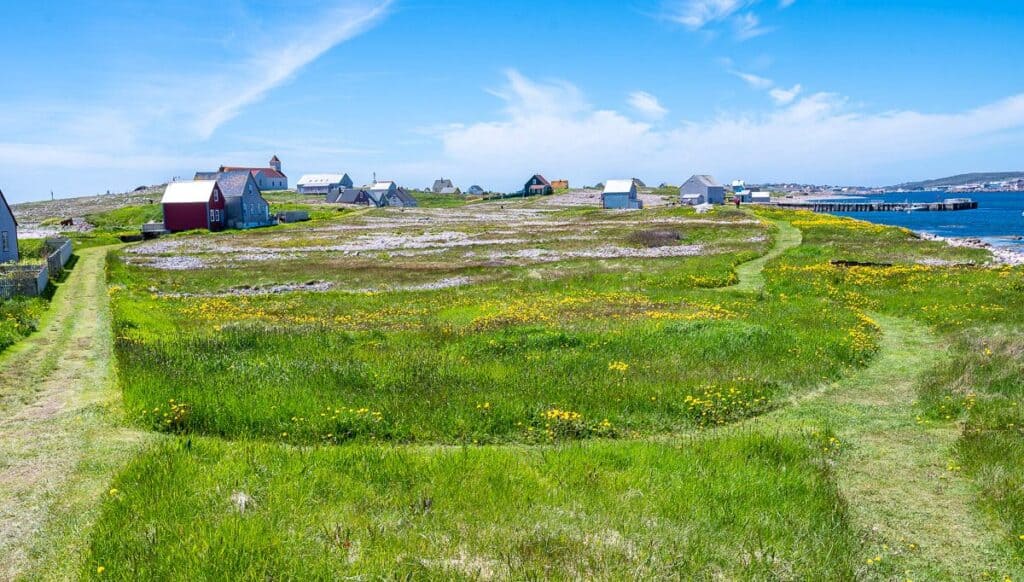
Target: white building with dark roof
x,y
323,184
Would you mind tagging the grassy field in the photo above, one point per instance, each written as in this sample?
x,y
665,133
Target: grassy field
x,y
517,390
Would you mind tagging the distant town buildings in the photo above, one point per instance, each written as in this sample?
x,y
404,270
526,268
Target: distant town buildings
x,y
8,233
621,195
271,178
560,184
475,190
389,194
701,189
322,184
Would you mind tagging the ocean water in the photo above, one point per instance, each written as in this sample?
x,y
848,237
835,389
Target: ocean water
x,y
999,219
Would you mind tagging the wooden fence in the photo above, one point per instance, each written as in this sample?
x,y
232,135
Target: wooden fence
x,y
31,280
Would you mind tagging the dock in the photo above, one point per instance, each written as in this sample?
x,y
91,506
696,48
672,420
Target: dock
x,y
851,206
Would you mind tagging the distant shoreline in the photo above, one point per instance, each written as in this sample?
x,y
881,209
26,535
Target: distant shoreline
x,y
1001,255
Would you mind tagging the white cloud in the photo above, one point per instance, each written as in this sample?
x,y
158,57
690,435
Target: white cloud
x,y
755,81
817,137
748,25
696,14
705,14
786,3
647,105
275,64
785,96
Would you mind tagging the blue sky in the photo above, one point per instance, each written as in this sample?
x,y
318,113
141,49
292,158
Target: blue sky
x,y
108,95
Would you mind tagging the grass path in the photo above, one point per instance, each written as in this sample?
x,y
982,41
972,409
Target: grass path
x,y
914,509
916,512
750,274
59,440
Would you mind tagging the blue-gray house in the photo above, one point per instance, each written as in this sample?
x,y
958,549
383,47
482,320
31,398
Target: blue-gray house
x,y
620,194
8,233
702,189
244,205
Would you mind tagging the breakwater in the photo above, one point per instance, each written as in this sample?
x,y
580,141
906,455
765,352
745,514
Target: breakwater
x,y
871,206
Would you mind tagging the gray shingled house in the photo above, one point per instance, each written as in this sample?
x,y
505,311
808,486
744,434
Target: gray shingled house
x,y
244,206
702,186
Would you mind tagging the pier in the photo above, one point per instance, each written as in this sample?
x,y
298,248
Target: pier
x,y
850,206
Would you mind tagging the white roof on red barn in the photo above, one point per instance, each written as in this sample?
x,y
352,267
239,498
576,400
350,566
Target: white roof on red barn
x,y
189,192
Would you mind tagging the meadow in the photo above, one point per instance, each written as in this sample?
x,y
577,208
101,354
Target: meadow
x,y
20,316
516,390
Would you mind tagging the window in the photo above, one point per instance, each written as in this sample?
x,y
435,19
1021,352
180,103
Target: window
x,y
216,196
5,242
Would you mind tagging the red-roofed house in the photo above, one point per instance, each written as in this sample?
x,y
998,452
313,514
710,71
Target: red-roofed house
x,y
271,178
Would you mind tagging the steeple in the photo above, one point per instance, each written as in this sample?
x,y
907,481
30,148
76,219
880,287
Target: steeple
x,y
275,163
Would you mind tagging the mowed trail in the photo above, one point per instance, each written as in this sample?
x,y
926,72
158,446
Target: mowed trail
x,y
59,440
905,494
751,273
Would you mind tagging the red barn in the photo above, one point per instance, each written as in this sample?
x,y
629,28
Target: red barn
x,y
193,205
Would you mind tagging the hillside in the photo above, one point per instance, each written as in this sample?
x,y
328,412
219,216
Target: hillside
x,y
959,180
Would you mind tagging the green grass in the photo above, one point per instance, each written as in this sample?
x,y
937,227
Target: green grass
x,y
126,217
778,407
19,317
739,507
981,384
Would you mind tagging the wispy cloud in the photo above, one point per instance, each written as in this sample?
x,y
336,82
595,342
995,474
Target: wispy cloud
x,y
818,136
696,14
713,16
748,25
785,96
755,81
780,95
270,67
647,105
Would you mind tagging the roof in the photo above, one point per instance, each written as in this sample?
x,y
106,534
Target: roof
x,y
188,192
8,207
618,186
693,196
321,179
268,171
542,179
449,190
380,186
405,197
706,180
275,159
232,184
347,195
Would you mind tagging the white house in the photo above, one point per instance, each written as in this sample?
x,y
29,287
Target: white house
x,y
761,197
8,233
321,184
